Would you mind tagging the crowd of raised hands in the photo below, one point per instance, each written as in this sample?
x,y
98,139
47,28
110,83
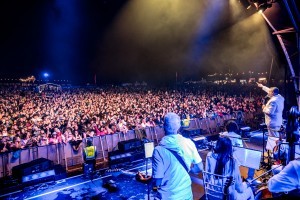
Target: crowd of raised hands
x,y
29,118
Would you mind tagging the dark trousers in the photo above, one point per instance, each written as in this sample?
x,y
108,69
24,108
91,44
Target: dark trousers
x,y
89,167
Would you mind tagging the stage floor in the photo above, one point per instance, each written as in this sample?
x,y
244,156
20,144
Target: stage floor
x,y
80,187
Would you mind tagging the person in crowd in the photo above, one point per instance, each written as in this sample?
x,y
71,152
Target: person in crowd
x,y
232,129
273,110
53,138
4,144
43,140
16,143
172,159
222,162
76,140
60,137
287,182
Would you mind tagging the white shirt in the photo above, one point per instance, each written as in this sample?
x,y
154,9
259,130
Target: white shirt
x,y
273,110
288,179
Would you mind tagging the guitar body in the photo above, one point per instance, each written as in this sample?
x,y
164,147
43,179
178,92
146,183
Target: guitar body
x,y
263,193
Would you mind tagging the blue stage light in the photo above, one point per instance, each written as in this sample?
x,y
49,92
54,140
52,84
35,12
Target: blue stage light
x,y
46,75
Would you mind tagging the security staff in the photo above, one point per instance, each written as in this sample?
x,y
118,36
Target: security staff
x,y
90,154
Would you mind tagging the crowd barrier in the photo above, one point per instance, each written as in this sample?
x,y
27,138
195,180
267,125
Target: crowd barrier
x,y
65,155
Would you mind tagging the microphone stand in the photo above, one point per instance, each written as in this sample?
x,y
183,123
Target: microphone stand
x,y
148,188
263,163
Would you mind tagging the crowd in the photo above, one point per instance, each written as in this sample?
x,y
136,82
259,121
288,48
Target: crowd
x,y
30,118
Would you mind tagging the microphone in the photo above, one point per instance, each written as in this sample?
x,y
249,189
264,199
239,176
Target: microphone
x,y
265,99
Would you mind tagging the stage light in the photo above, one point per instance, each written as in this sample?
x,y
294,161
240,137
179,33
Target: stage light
x,y
46,75
245,3
262,5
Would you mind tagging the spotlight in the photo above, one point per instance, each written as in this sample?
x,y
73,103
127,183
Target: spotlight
x,y
46,75
262,5
245,3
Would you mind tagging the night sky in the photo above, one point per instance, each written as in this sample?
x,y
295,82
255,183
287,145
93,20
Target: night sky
x,y
138,40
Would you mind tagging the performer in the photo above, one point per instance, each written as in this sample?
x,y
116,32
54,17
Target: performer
x,y
236,140
222,162
90,154
173,158
273,110
287,181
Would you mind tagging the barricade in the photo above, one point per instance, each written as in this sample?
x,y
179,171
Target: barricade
x,y
72,157
66,156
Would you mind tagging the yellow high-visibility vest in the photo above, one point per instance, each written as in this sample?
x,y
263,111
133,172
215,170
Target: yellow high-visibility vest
x,y
90,152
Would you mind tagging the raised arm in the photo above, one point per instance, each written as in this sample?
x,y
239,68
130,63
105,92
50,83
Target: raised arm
x,y
264,88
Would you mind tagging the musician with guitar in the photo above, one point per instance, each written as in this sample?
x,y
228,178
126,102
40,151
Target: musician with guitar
x,y
222,162
172,161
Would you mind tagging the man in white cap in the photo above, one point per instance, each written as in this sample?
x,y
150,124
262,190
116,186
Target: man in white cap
x,y
173,158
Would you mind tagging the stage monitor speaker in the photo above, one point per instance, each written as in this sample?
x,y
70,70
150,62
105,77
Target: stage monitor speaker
x,y
130,145
118,157
33,167
191,132
38,177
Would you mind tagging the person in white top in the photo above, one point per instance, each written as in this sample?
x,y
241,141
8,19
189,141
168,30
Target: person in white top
x,y
232,129
273,110
221,162
287,181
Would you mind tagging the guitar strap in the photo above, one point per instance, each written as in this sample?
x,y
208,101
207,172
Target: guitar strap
x,y
180,160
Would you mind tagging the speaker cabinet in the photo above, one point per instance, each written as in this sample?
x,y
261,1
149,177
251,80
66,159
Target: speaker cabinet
x,y
33,167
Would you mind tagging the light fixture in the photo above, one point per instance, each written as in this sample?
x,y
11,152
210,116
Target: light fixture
x,y
262,5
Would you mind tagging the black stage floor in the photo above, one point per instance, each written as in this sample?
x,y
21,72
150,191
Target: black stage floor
x,y
80,187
